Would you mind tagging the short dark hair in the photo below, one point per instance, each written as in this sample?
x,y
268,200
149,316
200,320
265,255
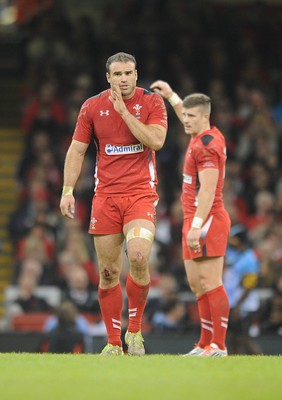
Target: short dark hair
x,y
120,57
198,100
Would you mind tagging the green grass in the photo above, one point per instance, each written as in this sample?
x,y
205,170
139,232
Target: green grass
x,y
68,377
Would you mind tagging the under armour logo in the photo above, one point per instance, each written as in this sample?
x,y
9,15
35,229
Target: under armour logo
x,y
107,113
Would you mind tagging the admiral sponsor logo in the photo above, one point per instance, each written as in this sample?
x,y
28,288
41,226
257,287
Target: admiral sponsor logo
x,y
129,149
187,178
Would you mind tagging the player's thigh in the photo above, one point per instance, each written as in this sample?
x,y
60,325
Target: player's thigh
x,y
210,271
192,273
109,250
106,216
139,234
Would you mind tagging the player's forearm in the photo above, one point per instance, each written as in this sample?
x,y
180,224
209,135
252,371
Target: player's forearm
x,y
152,136
72,167
205,202
208,183
176,103
178,110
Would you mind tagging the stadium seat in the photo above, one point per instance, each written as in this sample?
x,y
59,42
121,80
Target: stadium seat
x,y
29,322
92,318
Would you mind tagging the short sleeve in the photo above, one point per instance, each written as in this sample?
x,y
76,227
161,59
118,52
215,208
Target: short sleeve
x,y
84,125
158,113
207,153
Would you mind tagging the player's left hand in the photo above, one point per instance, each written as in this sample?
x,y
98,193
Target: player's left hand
x,y
67,206
193,239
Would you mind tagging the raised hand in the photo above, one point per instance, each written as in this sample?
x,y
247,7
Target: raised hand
x,y
162,88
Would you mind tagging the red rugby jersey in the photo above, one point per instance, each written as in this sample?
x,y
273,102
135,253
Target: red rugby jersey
x,y
124,166
207,150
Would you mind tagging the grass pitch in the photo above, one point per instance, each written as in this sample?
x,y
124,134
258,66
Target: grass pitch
x,y
49,376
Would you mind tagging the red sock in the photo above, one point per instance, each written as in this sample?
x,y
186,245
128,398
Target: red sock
x,y
206,321
137,296
219,307
111,303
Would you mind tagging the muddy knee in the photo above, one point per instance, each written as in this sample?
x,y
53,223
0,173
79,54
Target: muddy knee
x,y
109,275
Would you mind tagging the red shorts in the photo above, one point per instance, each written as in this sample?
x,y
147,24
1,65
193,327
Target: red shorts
x,y
213,239
110,214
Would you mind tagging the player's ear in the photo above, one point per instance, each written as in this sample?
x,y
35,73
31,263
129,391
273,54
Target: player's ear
x,y
108,77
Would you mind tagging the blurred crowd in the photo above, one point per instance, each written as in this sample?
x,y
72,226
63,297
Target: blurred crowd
x,y
216,49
